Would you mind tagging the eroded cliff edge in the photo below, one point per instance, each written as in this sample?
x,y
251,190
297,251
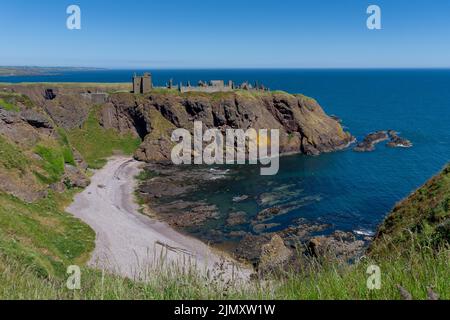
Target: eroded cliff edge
x,y
304,127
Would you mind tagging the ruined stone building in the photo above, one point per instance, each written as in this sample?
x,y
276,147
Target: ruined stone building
x,y
142,84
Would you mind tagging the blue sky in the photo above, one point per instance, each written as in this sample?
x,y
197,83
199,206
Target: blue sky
x,y
226,34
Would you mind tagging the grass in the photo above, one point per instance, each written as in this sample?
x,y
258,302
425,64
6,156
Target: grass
x,y
8,105
10,101
145,175
41,236
317,281
53,163
96,143
11,157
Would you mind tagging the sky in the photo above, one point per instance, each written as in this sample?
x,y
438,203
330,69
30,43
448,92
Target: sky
x,y
226,34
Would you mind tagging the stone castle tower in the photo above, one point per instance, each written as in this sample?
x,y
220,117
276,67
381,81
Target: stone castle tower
x,y
142,84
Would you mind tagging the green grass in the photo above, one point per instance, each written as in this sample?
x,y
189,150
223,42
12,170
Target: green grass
x,y
10,101
317,281
145,175
53,163
11,157
66,147
8,105
96,143
41,236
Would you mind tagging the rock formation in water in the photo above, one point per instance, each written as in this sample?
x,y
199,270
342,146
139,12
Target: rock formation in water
x,y
369,142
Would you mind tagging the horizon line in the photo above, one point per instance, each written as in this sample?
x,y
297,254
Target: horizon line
x,y
227,68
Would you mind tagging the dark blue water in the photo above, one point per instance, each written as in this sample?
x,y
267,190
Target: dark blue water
x,y
353,191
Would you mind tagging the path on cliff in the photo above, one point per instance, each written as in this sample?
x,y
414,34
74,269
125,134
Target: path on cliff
x,y
131,244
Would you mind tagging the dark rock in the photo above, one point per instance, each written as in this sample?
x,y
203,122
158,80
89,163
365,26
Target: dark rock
x,y
369,142
58,187
74,178
397,141
405,295
273,255
8,117
236,218
250,248
36,119
268,214
49,94
339,245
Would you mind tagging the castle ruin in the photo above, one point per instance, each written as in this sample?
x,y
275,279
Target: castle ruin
x,y
142,84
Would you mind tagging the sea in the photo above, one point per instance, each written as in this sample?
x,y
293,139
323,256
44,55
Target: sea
x,y
349,190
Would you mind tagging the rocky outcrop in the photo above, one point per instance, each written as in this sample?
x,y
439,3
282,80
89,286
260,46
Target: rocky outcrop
x,y
274,255
68,108
397,141
304,127
24,173
340,245
369,142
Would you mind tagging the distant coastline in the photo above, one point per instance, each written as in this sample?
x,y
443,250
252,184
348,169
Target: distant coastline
x,y
13,71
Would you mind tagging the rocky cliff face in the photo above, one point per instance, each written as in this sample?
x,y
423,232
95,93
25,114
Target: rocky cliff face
x,y
303,125
34,155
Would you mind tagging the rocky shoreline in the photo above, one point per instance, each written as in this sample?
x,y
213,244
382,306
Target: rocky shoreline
x,y
258,240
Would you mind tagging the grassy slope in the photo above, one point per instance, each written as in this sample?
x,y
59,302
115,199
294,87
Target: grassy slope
x,y
328,281
39,240
96,144
42,236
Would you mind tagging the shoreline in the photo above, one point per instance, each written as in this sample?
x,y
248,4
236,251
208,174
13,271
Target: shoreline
x,y
129,243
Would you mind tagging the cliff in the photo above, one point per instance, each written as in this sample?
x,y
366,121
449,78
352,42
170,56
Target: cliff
x,y
304,127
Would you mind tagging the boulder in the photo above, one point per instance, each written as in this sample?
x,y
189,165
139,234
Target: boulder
x,y
274,255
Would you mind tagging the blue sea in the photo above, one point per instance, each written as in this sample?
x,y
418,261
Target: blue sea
x,y
352,191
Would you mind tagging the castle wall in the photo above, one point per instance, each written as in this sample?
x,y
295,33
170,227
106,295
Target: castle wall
x,y
209,89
